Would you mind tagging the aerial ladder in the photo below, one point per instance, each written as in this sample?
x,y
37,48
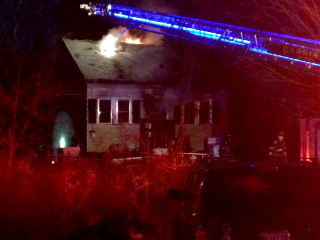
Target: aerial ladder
x,y
268,45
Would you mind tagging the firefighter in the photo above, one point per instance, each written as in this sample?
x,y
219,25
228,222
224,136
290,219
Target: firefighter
x,y
278,149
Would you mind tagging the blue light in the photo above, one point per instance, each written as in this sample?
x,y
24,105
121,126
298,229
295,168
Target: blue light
x,y
119,15
210,35
265,52
194,29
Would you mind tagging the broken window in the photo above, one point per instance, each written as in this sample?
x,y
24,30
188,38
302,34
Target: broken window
x,y
189,113
123,111
204,112
136,111
92,110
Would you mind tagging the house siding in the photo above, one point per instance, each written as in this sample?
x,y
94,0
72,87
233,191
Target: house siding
x,y
108,135
100,136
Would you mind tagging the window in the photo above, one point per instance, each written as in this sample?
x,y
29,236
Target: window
x,y
105,111
198,112
92,110
113,111
123,111
189,113
136,111
204,112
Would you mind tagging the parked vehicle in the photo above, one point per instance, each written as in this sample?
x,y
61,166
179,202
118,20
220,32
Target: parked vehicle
x,y
232,200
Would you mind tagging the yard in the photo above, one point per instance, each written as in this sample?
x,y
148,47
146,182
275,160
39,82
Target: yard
x,y
88,199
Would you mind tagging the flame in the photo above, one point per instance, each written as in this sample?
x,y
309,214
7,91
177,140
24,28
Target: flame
x,y
108,45
131,40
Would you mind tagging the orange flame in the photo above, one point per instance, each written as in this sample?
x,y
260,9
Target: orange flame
x,y
131,40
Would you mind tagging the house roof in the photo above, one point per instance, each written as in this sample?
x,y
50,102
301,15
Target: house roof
x,y
136,63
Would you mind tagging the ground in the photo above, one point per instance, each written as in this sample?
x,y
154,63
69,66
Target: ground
x,y
87,199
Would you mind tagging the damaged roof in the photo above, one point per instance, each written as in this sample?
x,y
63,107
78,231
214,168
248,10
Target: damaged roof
x,y
132,62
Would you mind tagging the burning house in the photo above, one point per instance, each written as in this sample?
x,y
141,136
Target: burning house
x,y
135,101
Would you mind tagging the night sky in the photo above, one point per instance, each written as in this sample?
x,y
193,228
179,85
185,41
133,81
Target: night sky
x,y
28,24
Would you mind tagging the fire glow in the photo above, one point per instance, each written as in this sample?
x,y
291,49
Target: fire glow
x,y
131,40
108,45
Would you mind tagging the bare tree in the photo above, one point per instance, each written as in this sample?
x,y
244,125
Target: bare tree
x,y
295,18
298,17
27,63
25,94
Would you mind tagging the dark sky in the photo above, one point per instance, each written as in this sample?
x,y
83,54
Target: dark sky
x,y
25,24
28,23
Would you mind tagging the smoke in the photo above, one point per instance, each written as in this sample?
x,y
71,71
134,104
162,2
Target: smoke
x,y
150,38
116,32
156,6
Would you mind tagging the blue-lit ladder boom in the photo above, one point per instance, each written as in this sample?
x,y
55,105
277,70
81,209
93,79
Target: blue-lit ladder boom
x,y
277,46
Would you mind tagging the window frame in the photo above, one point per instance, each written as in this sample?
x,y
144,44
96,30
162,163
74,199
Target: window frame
x,y
99,112
114,111
129,111
197,112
